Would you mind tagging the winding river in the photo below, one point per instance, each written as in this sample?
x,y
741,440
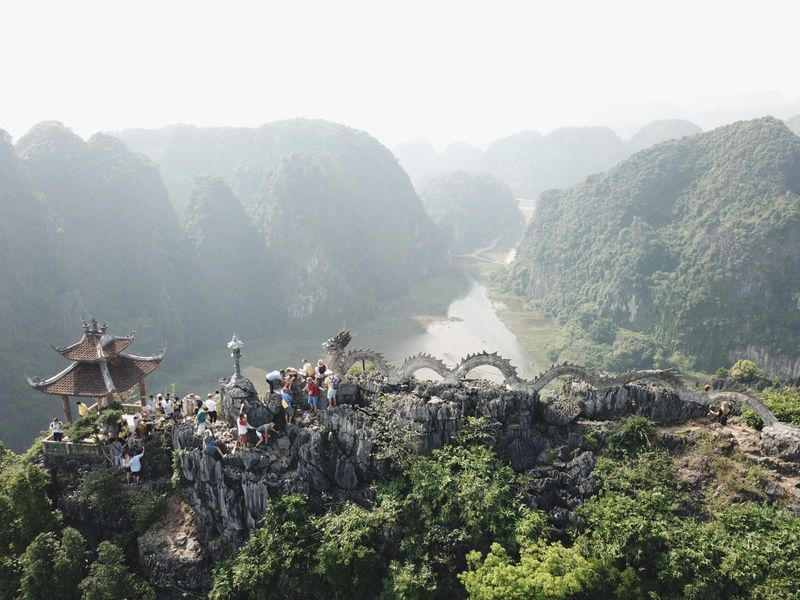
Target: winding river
x,y
471,325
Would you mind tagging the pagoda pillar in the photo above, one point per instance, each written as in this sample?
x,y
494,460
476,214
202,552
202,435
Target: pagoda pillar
x,y
142,391
67,409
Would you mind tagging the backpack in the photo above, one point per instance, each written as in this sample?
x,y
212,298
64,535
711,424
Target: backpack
x,y
335,383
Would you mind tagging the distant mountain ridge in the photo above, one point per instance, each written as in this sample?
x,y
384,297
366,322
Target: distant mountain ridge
x,y
695,242
531,163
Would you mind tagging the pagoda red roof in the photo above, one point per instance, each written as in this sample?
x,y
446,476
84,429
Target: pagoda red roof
x,y
99,368
95,346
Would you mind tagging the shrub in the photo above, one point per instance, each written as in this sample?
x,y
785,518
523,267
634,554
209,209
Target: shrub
x,y
722,373
277,559
99,489
407,581
630,435
546,572
784,403
109,578
746,371
749,416
145,508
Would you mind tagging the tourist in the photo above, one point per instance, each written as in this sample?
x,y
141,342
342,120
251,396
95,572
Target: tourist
x,y
187,406
83,409
57,429
166,407
722,413
116,453
274,379
308,368
200,417
242,427
286,403
211,407
321,372
151,402
333,385
292,376
198,403
263,433
313,393
209,446
135,466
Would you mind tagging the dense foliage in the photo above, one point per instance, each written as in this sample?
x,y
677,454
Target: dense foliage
x,y
470,210
691,245
40,558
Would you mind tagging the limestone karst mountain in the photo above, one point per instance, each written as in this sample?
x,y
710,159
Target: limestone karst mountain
x,y
471,210
531,163
331,204
87,229
695,242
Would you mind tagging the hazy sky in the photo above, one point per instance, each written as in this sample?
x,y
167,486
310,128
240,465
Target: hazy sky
x,y
445,70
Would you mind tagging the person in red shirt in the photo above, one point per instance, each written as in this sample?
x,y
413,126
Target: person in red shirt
x,y
313,393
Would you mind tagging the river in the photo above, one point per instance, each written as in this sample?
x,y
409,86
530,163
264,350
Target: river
x,y
471,325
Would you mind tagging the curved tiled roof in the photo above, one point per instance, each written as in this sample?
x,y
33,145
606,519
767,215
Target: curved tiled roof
x,y
90,348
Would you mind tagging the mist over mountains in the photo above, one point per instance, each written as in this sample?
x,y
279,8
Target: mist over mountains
x,y
531,163
283,228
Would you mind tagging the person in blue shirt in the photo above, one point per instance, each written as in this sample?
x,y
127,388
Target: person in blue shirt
x,y
286,403
209,446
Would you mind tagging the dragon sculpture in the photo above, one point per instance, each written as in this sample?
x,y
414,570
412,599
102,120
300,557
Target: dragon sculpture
x,y
342,361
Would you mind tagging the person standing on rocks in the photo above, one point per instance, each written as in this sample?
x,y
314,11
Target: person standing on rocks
x,y
308,368
57,429
242,427
313,394
135,466
209,446
321,372
333,387
211,407
200,418
286,403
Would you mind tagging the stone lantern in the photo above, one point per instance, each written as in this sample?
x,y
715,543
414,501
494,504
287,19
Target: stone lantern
x,y
235,346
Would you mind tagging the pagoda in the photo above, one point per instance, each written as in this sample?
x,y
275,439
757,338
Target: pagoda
x,y
99,369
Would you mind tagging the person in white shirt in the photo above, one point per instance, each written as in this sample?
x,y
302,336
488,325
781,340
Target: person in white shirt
x,y
166,406
135,466
211,407
57,429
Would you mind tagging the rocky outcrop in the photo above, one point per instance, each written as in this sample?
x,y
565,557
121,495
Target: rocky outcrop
x,y
782,441
171,553
658,404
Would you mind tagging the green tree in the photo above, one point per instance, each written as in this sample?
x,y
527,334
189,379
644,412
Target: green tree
x,y
277,560
545,572
53,568
351,554
110,579
745,371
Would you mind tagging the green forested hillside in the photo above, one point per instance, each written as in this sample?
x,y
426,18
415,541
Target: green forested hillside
x,y
471,210
694,242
